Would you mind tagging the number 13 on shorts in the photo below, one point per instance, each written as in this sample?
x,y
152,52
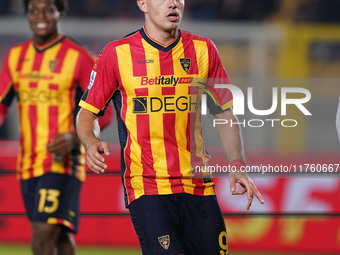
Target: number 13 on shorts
x,y
48,195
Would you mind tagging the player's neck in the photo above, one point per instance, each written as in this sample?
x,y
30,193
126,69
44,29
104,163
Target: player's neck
x,y
161,36
42,40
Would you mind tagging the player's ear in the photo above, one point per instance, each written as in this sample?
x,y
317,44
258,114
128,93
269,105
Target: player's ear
x,y
142,5
61,16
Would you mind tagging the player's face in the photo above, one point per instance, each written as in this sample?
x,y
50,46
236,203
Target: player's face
x,y
163,14
44,19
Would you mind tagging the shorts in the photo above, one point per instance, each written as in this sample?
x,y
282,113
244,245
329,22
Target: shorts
x,y
179,224
53,198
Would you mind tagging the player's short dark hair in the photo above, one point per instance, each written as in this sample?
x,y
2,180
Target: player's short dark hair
x,y
60,4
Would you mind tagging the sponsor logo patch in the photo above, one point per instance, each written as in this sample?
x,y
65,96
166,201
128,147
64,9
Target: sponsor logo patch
x,y
93,77
162,80
140,105
145,61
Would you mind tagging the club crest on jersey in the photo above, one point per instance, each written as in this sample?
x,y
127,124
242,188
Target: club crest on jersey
x,y
53,64
186,64
164,241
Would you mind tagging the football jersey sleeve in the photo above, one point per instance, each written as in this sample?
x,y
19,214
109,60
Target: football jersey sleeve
x,y
103,83
6,86
220,99
6,89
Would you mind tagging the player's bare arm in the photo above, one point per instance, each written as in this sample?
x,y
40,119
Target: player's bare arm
x,y
63,143
88,133
231,140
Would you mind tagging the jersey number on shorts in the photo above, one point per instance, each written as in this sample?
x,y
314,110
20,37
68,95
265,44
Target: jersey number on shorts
x,y
49,195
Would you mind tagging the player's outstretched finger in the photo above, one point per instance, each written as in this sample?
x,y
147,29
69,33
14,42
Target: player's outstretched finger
x,y
232,182
106,148
96,157
95,168
92,166
249,193
250,201
95,162
256,192
240,192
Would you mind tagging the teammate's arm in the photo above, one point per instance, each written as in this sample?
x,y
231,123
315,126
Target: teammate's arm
x,y
88,133
62,143
231,141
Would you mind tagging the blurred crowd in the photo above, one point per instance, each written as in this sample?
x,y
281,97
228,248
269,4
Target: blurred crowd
x,y
242,10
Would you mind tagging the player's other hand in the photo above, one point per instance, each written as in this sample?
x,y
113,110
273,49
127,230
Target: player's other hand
x,y
62,143
246,184
94,158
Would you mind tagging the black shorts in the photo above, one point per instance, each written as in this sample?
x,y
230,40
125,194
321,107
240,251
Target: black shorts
x,y
179,224
53,198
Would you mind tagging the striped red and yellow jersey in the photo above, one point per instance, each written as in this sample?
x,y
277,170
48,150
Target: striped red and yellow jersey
x,y
158,109
48,81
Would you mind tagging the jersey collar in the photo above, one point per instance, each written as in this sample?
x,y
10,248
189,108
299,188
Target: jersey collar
x,y
50,44
159,45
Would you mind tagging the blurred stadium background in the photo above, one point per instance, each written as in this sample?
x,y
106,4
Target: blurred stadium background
x,y
263,44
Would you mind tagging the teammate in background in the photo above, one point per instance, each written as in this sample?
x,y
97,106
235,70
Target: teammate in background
x,y
146,75
48,75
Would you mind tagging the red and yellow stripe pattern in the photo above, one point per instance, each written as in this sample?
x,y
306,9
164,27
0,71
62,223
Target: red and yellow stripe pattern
x,y
158,109
45,79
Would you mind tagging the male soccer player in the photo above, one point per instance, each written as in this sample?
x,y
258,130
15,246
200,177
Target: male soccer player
x,y
147,75
46,74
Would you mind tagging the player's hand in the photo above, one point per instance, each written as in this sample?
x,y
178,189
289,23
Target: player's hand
x,y
94,159
62,143
247,185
